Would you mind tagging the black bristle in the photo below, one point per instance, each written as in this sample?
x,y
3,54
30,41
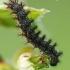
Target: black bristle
x,y
43,37
49,42
38,33
59,53
55,44
30,21
12,1
5,3
34,28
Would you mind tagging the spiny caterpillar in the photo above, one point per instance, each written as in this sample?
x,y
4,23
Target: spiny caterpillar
x,y
29,32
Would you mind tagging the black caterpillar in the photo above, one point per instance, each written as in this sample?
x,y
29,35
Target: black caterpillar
x,y
29,32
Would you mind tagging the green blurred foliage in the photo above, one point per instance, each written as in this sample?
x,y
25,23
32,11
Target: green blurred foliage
x,y
6,19
4,65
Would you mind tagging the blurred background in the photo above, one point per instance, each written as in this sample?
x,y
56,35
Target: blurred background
x,y
56,24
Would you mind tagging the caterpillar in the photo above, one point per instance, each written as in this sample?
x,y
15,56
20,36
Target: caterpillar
x,y
29,32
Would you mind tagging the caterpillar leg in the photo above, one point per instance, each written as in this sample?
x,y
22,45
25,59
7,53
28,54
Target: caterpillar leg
x,y
21,34
27,41
43,61
18,25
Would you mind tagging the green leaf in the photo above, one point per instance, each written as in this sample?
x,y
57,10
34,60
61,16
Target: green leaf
x,y
6,18
35,13
37,63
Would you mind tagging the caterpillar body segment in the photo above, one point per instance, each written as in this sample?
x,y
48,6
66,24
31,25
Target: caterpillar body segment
x,y
29,32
